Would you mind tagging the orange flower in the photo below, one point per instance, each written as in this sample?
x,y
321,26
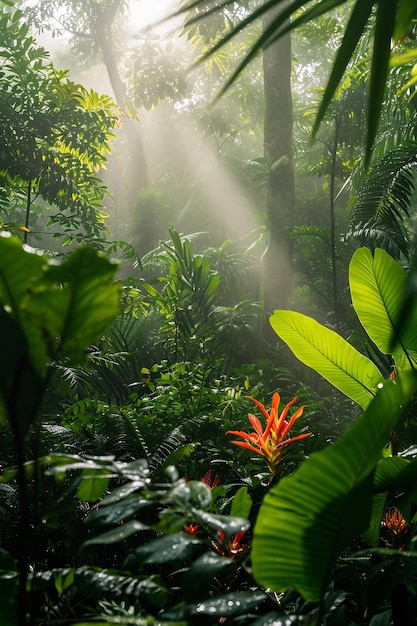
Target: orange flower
x,y
233,547
394,521
271,441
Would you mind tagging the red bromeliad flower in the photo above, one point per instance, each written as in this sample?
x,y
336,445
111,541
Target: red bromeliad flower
x,y
233,547
271,441
394,521
211,482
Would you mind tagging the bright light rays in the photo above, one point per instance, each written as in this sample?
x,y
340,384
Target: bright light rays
x,y
199,160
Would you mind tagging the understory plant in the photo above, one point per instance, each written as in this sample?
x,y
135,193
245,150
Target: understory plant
x,y
157,506
339,495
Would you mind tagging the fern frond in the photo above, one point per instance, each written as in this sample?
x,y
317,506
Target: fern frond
x,y
182,438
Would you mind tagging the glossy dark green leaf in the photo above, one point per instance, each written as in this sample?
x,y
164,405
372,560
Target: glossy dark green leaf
x,y
228,605
197,579
116,512
242,503
167,549
123,531
395,473
187,495
372,533
119,493
229,526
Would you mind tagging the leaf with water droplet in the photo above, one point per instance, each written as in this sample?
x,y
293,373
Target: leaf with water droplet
x,y
116,512
117,534
228,605
170,548
196,580
229,526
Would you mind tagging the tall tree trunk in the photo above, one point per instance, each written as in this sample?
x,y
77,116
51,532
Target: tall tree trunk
x,y
137,176
277,261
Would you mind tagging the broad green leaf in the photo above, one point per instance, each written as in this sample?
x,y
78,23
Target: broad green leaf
x,y
21,387
167,549
377,286
242,503
116,512
310,517
93,484
395,473
21,268
371,534
407,319
197,579
123,492
117,534
228,525
328,354
227,605
87,302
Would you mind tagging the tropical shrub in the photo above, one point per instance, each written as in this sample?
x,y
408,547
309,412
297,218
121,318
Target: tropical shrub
x,y
49,311
54,136
340,493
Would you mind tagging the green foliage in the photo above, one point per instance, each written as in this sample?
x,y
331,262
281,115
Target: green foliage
x,y
377,283
48,309
380,210
330,354
157,75
391,23
335,515
377,286
56,156
188,292
354,475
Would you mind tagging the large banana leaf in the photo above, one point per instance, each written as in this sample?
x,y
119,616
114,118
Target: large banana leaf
x,y
329,354
310,517
377,285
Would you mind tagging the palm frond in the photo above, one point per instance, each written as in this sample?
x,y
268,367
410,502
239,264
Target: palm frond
x,y
387,25
382,205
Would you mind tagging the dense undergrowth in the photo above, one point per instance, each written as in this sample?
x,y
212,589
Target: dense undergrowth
x,y
126,500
